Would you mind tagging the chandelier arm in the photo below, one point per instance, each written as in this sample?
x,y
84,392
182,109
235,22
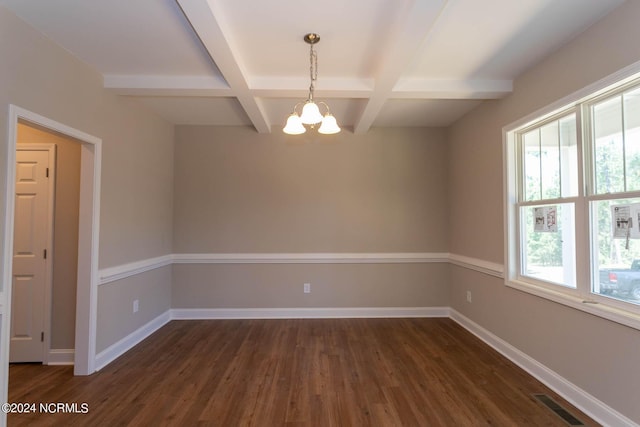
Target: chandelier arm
x,y
294,108
326,106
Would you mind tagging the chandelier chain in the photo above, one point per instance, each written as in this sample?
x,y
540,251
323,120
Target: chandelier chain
x,y
313,71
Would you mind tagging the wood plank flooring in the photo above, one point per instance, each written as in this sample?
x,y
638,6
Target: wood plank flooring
x,y
311,372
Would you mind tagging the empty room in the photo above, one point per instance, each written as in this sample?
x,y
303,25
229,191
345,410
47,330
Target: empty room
x,y
385,212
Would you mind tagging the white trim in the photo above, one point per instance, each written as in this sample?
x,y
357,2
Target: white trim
x,y
589,305
89,225
61,357
579,398
581,297
486,267
7,255
306,313
116,350
119,272
88,244
310,258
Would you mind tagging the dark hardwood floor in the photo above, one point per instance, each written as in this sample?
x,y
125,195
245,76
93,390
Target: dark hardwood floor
x,y
324,372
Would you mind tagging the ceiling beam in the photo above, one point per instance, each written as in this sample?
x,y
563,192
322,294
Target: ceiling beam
x,y
408,35
295,87
339,88
208,25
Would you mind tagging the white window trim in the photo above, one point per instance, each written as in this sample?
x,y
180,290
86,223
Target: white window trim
x,y
623,313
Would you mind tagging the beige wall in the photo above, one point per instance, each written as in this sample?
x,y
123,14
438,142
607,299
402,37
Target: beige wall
x,y
332,285
241,192
137,163
115,312
65,232
597,355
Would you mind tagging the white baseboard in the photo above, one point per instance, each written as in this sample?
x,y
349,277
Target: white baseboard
x,y
116,350
61,356
306,313
588,404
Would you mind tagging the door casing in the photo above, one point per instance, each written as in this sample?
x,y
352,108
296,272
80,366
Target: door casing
x,y
86,300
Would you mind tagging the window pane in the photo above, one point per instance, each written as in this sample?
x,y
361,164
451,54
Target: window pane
x,y
617,269
549,243
609,157
568,156
550,161
550,158
532,165
632,139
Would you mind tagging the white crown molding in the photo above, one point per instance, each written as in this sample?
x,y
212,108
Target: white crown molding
x,y
587,403
307,313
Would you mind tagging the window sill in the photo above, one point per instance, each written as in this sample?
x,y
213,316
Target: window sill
x,y
596,308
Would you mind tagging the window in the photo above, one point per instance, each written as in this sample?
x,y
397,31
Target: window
x,y
573,203
549,183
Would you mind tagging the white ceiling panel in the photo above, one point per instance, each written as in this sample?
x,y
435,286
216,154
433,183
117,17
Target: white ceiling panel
x,y
350,34
243,62
120,36
502,38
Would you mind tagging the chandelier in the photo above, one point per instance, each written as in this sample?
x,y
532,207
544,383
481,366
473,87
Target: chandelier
x,y
310,110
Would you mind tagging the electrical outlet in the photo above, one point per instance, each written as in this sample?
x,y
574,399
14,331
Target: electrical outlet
x,y
307,288
136,305
468,296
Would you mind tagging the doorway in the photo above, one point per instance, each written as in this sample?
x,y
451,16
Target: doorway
x,y
88,231
45,246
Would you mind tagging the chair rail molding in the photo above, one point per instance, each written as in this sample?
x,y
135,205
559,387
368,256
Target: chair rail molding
x,y
119,272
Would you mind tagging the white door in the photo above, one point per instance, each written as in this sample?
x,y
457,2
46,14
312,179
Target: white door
x,y
31,253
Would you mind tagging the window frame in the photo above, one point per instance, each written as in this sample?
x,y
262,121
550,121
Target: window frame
x,y
522,201
580,297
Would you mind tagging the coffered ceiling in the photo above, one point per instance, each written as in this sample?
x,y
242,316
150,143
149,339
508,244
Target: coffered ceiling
x,y
244,62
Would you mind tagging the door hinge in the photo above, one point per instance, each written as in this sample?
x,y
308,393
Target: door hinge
x,y
47,172
45,254
41,336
